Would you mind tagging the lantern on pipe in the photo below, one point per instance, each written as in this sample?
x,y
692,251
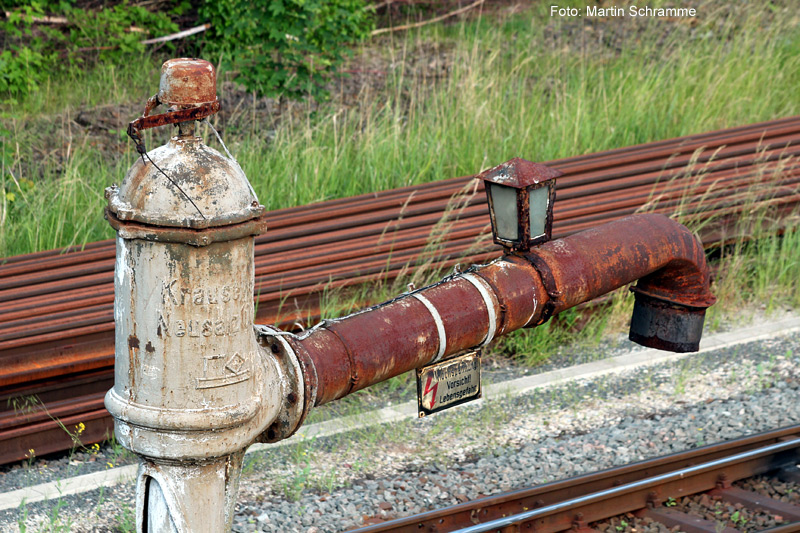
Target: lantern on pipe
x,y
520,195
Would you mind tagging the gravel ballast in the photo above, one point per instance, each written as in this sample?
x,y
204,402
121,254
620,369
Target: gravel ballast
x,y
393,470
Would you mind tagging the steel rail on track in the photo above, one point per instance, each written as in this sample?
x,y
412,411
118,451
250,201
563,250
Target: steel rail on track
x,y
638,488
597,496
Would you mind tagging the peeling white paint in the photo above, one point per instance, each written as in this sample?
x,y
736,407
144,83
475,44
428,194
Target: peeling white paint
x,y
193,389
559,245
122,260
502,264
535,307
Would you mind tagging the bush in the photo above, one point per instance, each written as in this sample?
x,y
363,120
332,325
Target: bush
x,y
284,47
32,51
280,47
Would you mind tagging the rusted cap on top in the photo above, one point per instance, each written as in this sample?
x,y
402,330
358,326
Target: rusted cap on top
x,y
519,173
187,82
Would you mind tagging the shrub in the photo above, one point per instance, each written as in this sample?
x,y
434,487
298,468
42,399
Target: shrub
x,y
284,47
33,50
280,47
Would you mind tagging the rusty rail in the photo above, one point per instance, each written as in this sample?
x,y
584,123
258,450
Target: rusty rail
x,y
639,487
56,323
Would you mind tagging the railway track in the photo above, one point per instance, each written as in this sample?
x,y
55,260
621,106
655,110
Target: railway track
x,y
56,315
654,490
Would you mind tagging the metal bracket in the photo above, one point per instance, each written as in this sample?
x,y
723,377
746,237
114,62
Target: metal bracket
x,y
550,286
147,121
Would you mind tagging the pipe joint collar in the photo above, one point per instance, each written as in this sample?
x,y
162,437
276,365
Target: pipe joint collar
x,y
298,381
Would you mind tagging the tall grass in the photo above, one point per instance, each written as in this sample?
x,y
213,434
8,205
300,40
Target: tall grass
x,y
526,85
508,93
759,272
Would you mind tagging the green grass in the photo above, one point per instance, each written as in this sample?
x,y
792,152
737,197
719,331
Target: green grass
x,y
509,94
512,89
571,329
760,273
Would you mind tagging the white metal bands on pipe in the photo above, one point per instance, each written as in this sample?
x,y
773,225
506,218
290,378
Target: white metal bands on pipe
x,y
489,300
437,319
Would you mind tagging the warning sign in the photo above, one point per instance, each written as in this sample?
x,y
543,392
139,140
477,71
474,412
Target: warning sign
x,y
448,383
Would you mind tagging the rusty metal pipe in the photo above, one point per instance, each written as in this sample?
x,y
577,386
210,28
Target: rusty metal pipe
x,y
467,310
668,260
593,262
463,311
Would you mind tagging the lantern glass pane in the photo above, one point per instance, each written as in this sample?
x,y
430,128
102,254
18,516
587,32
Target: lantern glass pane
x,y
504,201
539,198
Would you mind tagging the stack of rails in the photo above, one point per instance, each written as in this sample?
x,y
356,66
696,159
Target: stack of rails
x,y
56,307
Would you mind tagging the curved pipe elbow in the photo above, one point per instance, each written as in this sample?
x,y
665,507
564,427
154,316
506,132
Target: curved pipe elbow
x,y
672,293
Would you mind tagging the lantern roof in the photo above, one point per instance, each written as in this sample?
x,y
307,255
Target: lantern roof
x,y
519,173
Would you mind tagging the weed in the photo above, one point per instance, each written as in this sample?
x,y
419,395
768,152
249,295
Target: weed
x,y
293,485
738,519
680,380
126,519
101,498
305,474
330,480
733,376
763,380
119,454
251,463
23,518
56,522
23,405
